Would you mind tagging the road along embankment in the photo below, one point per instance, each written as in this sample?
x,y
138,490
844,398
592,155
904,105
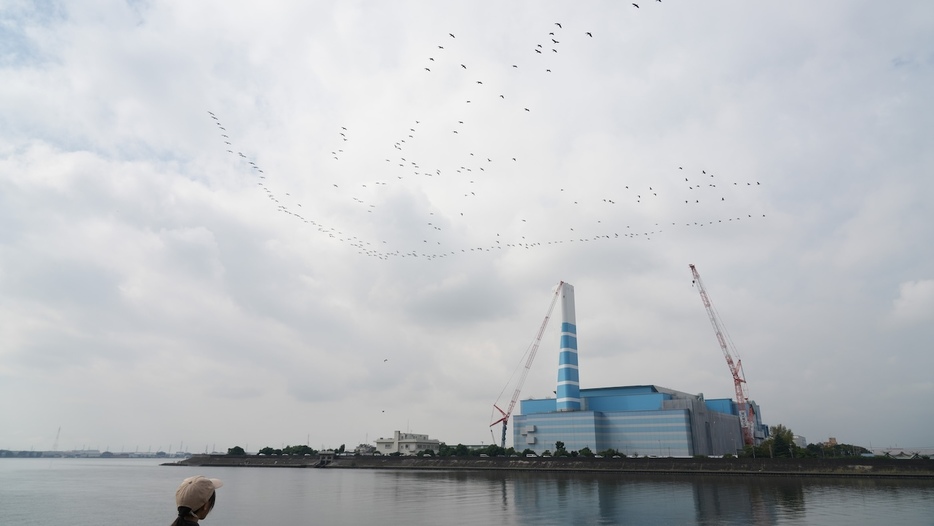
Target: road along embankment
x,y
842,467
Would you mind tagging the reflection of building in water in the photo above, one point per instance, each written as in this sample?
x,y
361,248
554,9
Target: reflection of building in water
x,y
559,498
644,419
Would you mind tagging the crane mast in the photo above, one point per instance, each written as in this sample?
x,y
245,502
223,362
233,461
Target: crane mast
x,y
744,409
531,351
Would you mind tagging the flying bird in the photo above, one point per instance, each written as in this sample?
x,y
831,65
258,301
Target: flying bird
x,y
637,5
589,34
452,35
558,24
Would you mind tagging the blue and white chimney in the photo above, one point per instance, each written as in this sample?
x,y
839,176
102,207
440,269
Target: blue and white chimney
x,y
569,386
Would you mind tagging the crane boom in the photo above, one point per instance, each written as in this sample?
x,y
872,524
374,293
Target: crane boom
x,y
744,409
531,351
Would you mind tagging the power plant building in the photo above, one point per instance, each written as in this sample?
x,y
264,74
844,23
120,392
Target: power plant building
x,y
634,420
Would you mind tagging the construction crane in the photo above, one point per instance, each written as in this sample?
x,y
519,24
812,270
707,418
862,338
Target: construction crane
x,y
530,352
744,408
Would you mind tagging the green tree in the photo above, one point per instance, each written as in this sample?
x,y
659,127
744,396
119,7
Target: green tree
x,y
783,441
494,450
236,451
267,451
585,452
299,450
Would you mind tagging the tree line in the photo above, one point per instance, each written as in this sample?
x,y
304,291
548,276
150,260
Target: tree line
x,y
779,444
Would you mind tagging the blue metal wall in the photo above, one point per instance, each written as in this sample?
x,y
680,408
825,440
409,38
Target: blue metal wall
x,y
539,432
722,405
528,407
645,402
656,433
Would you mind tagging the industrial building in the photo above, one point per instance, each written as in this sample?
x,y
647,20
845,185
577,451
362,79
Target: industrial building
x,y
406,444
644,420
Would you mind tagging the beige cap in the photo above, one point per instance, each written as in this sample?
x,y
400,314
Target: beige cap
x,y
194,492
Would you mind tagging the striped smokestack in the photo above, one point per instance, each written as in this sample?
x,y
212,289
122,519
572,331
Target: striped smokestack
x,y
569,387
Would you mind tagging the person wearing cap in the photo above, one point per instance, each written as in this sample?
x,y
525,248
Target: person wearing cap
x,y
195,499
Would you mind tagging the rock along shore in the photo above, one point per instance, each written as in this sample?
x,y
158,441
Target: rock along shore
x,y
810,467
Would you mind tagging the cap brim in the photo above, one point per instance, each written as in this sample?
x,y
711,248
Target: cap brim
x,y
217,483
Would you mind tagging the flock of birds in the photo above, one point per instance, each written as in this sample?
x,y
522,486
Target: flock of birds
x,y
455,158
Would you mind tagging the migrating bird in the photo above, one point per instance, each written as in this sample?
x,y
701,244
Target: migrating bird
x,y
452,35
637,5
463,66
589,34
558,24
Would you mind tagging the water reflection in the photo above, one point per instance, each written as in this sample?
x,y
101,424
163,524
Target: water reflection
x,y
537,498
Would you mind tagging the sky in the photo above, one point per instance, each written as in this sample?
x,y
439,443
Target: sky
x,y
320,222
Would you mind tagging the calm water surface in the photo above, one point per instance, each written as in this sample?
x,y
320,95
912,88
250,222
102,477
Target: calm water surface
x,y
79,492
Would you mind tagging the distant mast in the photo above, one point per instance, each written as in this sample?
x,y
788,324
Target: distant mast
x,y
569,386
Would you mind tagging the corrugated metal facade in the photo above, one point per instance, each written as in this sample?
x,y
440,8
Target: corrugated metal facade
x,y
643,420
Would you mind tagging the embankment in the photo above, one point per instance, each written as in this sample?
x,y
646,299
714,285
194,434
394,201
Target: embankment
x,y
842,467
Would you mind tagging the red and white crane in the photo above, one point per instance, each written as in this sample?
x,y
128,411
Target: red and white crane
x,y
530,352
744,408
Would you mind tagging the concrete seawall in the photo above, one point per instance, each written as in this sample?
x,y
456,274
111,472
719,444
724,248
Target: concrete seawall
x,y
848,467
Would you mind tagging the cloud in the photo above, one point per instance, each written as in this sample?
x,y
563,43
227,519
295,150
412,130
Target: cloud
x,y
914,304
781,148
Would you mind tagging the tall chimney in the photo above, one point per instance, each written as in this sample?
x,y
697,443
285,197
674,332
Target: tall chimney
x,y
569,387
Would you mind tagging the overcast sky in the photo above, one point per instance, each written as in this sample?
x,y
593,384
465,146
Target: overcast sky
x,y
320,221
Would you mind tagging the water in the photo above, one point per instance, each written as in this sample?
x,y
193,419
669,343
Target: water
x,y
79,492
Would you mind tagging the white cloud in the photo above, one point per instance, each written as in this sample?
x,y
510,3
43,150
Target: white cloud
x,y
914,304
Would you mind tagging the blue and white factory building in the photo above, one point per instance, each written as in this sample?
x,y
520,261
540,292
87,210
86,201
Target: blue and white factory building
x,y
634,420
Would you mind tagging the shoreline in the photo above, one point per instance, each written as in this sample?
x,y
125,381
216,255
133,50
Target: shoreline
x,y
769,467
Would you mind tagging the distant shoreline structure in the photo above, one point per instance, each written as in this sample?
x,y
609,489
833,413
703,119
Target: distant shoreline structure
x,y
91,453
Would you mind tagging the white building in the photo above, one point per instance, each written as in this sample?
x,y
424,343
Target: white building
x,y
406,444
